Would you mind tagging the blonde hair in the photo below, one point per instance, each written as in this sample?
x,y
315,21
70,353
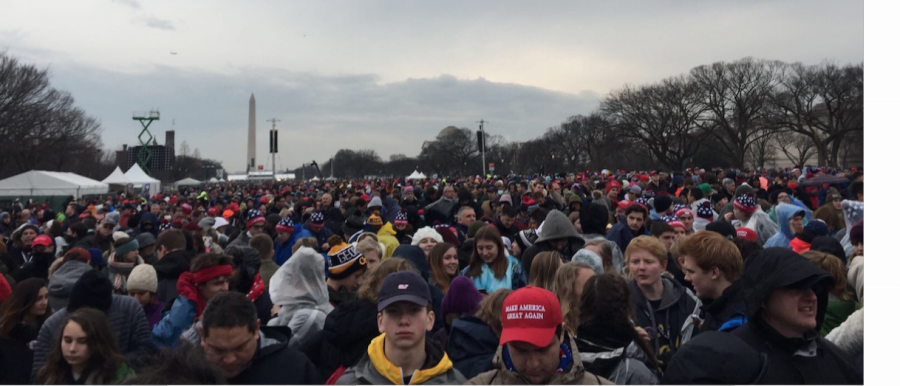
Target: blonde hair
x,y
543,269
368,245
833,265
564,289
372,284
649,244
491,311
606,254
309,242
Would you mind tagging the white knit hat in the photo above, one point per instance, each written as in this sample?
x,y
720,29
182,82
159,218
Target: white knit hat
x,y
119,235
142,278
426,232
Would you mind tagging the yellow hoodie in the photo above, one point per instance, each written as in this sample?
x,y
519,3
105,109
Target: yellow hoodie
x,y
386,237
394,374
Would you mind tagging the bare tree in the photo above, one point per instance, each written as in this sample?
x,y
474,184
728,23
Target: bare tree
x,y
736,95
824,103
798,148
666,117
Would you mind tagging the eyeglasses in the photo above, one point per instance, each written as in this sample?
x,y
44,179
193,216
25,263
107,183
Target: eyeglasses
x,y
258,226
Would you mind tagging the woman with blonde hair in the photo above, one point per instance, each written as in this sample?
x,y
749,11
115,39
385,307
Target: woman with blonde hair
x,y
568,285
840,303
543,269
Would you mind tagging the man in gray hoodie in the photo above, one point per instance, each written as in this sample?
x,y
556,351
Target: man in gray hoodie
x,y
557,234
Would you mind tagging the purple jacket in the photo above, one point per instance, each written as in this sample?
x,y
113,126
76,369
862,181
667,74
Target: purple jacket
x,y
153,311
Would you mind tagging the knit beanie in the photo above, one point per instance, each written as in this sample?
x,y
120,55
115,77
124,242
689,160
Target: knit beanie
x,y
723,228
745,203
317,218
662,204
375,220
343,259
474,228
285,226
127,247
856,233
426,232
119,235
401,218
448,234
376,201
461,298
97,259
92,289
142,278
145,240
82,253
705,211
254,217
829,245
590,258
206,223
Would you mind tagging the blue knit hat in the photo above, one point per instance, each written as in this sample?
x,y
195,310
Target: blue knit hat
x,y
96,257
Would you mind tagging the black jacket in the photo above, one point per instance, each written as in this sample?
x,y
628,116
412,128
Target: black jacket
x,y
727,307
168,269
276,364
809,359
671,324
37,265
348,331
471,346
716,358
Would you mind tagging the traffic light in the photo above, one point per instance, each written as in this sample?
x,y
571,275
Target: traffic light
x,y
480,141
273,141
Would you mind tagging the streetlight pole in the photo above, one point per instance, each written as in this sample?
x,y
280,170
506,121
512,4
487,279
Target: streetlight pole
x,y
483,140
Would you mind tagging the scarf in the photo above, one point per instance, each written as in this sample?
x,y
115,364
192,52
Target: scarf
x,y
120,270
257,290
565,358
187,283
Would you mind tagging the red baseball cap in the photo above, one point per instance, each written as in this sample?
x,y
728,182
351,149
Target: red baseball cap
x,y
43,240
746,234
530,315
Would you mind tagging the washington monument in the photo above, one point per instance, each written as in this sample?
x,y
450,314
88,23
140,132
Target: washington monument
x,y
251,136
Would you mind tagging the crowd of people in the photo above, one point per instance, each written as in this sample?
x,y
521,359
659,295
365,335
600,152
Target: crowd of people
x,y
604,277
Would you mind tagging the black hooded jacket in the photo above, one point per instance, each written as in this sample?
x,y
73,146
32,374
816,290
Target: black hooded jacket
x,y
594,219
729,306
276,364
716,358
471,346
348,331
810,359
168,269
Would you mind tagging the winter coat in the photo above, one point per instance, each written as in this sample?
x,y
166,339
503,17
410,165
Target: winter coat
x,y
784,212
849,337
555,227
22,267
374,368
622,235
299,287
153,312
168,269
62,282
151,218
853,213
673,319
725,313
810,359
283,251
180,317
471,345
386,237
611,359
574,374
514,278
716,358
837,312
856,275
243,240
16,356
793,361
321,237
345,338
126,319
276,364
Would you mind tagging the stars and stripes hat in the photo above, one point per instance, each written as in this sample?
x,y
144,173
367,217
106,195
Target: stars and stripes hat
x,y
668,219
317,218
683,211
253,217
678,207
401,218
285,225
705,211
164,227
745,203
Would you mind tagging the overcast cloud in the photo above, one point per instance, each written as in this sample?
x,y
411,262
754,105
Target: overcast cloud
x,y
388,75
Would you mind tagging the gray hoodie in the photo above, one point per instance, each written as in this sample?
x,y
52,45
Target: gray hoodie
x,y
555,227
62,282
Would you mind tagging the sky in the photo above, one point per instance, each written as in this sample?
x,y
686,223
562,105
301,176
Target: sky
x,y
389,75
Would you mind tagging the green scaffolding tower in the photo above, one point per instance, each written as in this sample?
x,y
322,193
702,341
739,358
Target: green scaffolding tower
x,y
145,118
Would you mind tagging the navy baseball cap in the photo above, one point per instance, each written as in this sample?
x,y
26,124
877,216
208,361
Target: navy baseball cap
x,y
404,286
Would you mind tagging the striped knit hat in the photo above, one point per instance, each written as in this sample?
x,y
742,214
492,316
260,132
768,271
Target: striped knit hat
x,y
285,225
253,217
317,218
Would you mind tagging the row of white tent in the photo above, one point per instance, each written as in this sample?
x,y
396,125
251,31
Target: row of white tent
x,y
42,183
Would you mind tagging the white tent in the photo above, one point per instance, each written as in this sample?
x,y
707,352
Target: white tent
x,y
214,179
187,182
316,179
117,178
332,178
44,183
136,176
416,175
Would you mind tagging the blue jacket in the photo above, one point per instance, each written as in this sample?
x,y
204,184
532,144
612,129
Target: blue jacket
x,y
284,252
783,238
514,278
321,237
168,331
621,234
472,346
